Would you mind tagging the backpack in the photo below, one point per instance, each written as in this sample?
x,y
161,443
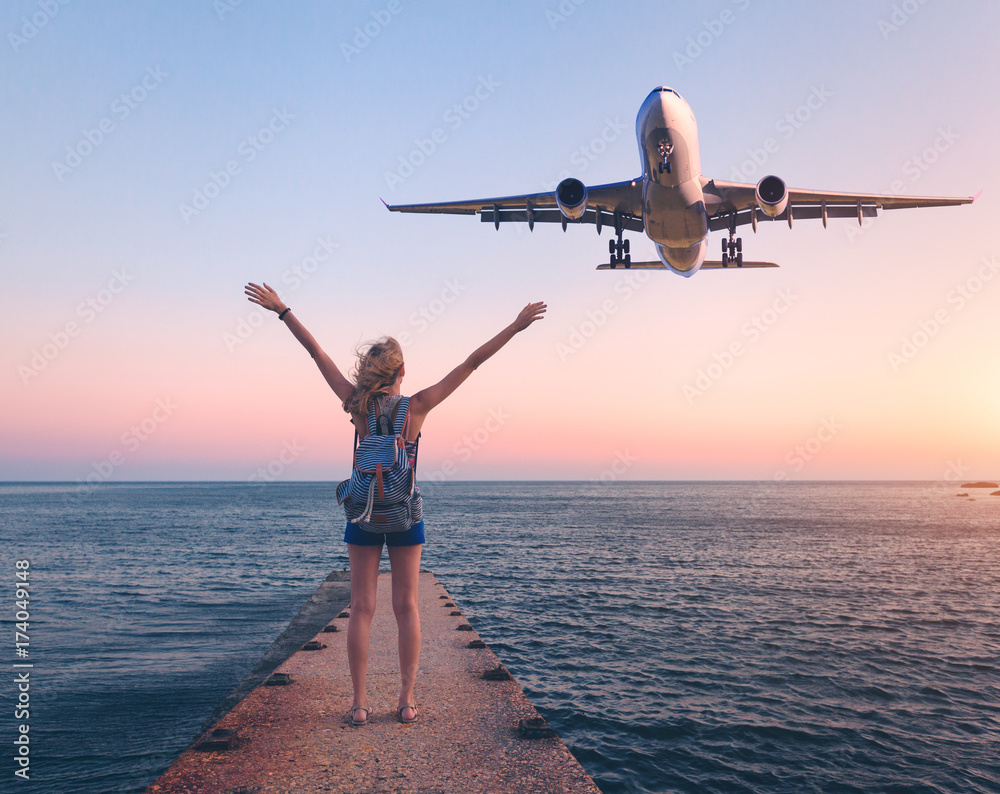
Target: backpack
x,y
381,494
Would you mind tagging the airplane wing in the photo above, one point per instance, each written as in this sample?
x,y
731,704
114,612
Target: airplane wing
x,y
603,203
739,198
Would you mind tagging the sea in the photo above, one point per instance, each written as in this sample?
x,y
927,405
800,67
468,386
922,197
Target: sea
x,y
679,636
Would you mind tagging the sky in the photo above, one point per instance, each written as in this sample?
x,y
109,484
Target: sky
x,y
157,156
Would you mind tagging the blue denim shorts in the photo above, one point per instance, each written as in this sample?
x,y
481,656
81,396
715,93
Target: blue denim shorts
x,y
414,536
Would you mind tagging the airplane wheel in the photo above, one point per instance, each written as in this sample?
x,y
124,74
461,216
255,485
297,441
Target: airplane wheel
x,y
739,243
613,263
628,260
625,244
739,259
725,247
725,259
611,246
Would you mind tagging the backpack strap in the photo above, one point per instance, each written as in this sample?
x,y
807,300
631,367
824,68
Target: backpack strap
x,y
378,422
383,422
356,436
401,414
416,451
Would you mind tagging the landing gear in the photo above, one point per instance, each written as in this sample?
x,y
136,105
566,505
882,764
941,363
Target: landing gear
x,y
666,148
618,248
732,249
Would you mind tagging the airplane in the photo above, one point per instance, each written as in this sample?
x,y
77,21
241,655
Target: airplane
x,y
672,202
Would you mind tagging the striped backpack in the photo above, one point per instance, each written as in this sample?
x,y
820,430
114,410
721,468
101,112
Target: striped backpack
x,y
381,494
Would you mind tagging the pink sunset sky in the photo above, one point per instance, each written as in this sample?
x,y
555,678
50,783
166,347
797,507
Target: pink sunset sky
x,y
131,352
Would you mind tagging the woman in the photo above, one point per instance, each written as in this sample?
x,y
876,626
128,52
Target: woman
x,y
379,376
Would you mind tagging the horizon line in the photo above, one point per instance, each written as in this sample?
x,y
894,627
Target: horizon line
x,y
457,481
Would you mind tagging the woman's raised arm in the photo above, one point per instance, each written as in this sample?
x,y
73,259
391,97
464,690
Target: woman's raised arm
x,y
423,401
265,296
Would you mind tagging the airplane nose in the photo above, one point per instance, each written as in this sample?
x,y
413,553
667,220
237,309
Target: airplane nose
x,y
684,261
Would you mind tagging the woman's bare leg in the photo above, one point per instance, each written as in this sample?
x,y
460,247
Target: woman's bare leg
x,y
364,585
405,563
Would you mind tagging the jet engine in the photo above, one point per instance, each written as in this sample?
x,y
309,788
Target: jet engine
x,y
772,196
571,196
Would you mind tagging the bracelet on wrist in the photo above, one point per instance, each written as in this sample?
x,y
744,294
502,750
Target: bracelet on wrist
x,y
282,315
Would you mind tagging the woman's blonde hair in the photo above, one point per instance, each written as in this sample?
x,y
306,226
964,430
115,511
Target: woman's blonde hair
x,y
374,374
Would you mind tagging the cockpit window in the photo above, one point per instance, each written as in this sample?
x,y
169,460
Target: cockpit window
x,y
668,90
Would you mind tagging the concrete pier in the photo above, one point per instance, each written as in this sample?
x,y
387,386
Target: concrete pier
x,y
298,737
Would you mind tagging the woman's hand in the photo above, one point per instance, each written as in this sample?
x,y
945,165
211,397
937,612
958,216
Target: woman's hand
x,y
264,296
530,313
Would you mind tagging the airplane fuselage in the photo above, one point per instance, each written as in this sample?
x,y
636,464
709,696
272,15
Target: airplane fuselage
x,y
672,200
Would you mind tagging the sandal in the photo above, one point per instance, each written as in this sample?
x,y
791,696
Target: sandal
x,y
399,714
358,723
